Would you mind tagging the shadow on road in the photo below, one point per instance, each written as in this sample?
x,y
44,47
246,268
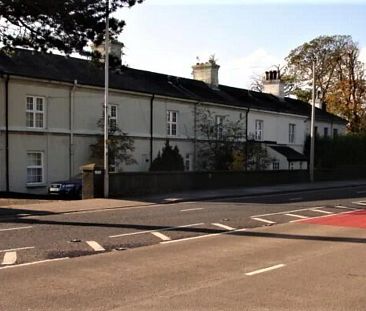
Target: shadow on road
x,y
251,233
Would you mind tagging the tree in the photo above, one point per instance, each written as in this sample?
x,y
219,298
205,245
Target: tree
x,y
64,25
120,147
169,160
339,76
219,138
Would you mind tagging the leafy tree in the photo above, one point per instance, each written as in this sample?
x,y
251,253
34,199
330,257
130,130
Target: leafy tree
x,y
169,159
120,147
218,139
65,25
339,76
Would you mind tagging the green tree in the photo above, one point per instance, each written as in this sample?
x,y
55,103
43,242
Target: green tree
x,y
64,25
168,160
339,76
120,147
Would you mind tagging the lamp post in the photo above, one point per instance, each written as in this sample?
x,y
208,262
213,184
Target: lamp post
x,y
312,137
106,83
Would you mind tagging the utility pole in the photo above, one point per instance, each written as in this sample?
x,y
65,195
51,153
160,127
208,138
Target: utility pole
x,y
312,137
106,79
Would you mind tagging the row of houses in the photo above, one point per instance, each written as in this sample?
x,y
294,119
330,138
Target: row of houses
x,y
50,106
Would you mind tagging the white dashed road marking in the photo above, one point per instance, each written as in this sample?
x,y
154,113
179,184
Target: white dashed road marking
x,y
296,216
363,203
10,258
149,231
344,207
191,209
265,270
263,220
223,226
321,211
161,236
15,249
360,192
16,228
96,246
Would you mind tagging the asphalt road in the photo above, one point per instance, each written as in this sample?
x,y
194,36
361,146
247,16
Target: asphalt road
x,y
252,253
36,238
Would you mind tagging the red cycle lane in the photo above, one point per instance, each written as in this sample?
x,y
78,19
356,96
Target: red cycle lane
x,y
356,219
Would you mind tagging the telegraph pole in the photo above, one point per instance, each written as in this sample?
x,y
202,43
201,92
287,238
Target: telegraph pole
x,y
106,79
312,137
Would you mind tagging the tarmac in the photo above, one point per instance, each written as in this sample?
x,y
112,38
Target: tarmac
x,y
71,206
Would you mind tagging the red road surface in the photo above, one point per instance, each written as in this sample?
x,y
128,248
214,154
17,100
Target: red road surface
x,y
355,219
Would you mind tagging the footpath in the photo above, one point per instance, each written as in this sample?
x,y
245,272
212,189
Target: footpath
x,y
68,206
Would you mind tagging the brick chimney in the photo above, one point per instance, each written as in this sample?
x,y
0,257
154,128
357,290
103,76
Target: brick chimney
x,y
115,52
207,72
272,83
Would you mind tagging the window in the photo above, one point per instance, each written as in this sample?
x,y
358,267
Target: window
x,y
276,165
113,116
292,165
335,132
172,122
35,112
219,127
259,129
315,130
325,132
291,133
112,165
34,167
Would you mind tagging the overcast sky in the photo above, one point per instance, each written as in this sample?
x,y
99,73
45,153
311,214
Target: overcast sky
x,y
247,38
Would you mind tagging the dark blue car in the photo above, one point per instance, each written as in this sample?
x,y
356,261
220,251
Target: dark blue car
x,y
67,188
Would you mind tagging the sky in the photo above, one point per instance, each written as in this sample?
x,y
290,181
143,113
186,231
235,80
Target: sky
x,y
247,37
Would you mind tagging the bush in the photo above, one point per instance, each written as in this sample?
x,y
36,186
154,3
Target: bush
x,y
169,160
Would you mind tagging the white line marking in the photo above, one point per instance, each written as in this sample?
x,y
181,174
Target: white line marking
x,y
284,212
344,207
161,236
295,199
297,216
172,199
34,263
223,226
321,211
15,249
263,220
201,236
96,246
191,209
149,231
363,203
17,228
10,258
265,270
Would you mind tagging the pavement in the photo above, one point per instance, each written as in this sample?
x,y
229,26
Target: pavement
x,y
63,207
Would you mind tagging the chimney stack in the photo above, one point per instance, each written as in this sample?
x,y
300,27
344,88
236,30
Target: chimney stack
x,y
207,72
272,83
115,52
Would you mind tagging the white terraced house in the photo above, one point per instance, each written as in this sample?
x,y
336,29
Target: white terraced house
x,y
50,105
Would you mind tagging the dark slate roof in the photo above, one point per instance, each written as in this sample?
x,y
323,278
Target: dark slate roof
x,y
32,64
289,153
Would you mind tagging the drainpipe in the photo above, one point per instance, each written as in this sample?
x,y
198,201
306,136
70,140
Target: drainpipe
x,y
152,128
195,137
246,139
7,133
71,119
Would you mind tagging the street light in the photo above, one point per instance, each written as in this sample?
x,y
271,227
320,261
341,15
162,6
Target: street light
x,y
312,138
106,83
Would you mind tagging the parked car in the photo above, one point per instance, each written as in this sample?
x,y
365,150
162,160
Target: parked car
x,y
71,188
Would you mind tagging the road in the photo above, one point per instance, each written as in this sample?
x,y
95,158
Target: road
x,y
192,255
